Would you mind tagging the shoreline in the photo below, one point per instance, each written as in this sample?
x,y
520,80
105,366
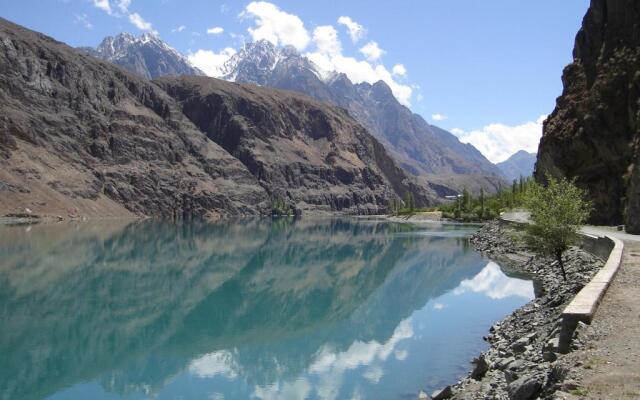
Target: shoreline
x,y
523,359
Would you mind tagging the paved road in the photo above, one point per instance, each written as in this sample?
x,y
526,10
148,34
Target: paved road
x,y
523,217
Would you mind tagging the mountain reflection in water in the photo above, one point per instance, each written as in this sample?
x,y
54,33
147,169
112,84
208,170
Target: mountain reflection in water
x,y
319,308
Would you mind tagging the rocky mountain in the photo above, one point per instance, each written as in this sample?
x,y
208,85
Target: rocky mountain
x,y
79,136
593,134
434,155
519,164
82,137
146,55
308,153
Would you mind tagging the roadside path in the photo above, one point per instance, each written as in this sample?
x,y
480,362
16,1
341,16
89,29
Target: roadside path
x,y
610,365
609,368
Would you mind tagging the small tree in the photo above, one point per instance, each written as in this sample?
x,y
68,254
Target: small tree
x,y
466,200
557,213
409,202
481,203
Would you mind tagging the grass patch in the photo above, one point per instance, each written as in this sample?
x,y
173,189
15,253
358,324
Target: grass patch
x,y
579,391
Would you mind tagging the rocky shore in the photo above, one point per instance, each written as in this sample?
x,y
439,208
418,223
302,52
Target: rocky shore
x,y
523,361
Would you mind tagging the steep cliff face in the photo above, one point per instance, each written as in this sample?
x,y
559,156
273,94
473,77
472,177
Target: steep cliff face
x,y
79,136
594,133
307,153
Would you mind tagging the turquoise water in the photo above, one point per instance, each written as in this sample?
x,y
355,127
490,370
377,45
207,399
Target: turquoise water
x,y
318,309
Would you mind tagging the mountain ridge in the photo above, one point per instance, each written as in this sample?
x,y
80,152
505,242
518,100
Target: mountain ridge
x,y
519,164
100,141
146,55
423,150
435,157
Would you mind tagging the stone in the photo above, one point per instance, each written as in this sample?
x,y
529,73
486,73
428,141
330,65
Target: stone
x,y
444,393
423,396
524,388
520,345
503,362
480,367
552,345
549,356
516,365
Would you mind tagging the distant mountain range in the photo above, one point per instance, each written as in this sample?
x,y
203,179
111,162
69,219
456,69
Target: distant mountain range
x,y
146,55
434,156
519,164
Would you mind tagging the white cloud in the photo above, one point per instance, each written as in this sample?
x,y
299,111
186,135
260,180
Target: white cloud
x,y
359,71
373,374
139,22
438,117
495,284
401,354
282,28
216,30
275,25
211,62
438,306
355,30
221,362
123,5
179,29
399,70
419,97
372,51
103,5
498,142
298,389
84,20
326,40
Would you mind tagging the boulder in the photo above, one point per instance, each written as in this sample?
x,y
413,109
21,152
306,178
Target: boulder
x,y
524,388
444,393
480,367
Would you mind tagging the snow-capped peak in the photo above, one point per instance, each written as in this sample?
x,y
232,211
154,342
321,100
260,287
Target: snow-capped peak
x,y
256,61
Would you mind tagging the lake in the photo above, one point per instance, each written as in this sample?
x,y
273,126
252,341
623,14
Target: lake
x,y
241,309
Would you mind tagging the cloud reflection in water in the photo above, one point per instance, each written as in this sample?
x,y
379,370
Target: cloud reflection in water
x,y
492,282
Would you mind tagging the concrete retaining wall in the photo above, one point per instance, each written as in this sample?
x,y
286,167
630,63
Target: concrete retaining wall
x,y
584,305
599,246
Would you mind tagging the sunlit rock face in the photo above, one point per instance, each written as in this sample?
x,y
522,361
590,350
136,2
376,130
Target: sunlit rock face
x,y
312,155
79,136
593,135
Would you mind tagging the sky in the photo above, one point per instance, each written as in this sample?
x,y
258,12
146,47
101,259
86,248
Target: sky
x,y
489,71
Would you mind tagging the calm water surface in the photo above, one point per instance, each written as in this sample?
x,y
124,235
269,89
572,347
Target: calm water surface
x,y
317,309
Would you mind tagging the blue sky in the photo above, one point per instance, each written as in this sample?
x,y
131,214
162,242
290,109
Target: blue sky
x,y
486,70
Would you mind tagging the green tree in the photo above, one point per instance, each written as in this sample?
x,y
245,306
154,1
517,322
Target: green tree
x,y
557,213
481,203
466,200
409,202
